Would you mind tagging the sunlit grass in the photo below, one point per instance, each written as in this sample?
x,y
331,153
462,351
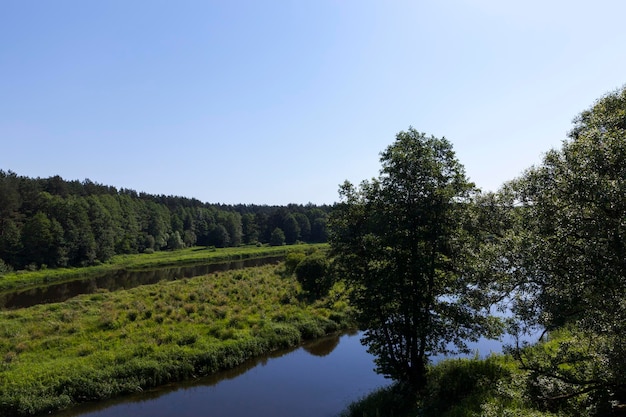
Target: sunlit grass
x,y
189,256
105,344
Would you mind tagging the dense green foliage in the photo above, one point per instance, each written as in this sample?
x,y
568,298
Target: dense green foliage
x,y
314,274
491,387
406,245
499,386
556,251
106,344
60,223
569,263
277,238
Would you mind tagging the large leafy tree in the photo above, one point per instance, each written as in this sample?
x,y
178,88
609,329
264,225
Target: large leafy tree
x,y
570,263
404,242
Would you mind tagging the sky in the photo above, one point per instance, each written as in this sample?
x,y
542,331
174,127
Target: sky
x,y
278,102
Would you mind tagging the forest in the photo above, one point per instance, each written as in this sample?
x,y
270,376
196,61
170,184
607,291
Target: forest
x,y
53,222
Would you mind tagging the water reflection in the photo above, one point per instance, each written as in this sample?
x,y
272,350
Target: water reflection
x,y
287,383
322,347
119,280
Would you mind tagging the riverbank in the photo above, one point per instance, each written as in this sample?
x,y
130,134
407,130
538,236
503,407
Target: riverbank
x,y
20,280
495,386
317,378
490,387
108,344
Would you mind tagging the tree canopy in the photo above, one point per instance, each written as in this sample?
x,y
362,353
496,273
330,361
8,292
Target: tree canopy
x,y
403,242
55,222
568,264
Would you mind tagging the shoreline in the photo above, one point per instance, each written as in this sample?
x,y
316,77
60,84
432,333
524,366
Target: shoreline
x,y
24,280
103,345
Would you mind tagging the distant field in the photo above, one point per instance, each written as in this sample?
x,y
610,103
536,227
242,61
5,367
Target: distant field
x,y
24,279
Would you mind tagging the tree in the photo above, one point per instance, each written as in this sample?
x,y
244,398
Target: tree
x,y
400,242
313,274
189,238
174,241
158,224
249,229
10,242
571,248
38,240
232,222
103,228
304,226
219,237
291,228
278,237
319,232
575,206
81,243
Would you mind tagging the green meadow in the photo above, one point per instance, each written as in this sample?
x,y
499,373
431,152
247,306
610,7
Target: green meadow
x,y
196,255
107,344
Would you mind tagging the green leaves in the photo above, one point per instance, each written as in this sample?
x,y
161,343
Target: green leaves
x,y
575,213
567,256
405,243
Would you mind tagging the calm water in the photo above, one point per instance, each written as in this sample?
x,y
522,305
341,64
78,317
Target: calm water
x,y
119,280
319,379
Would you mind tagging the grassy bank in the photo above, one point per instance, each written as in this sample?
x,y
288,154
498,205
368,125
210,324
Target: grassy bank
x,y
491,387
107,344
565,374
189,256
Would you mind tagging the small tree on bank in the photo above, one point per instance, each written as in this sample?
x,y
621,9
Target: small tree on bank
x,y
400,241
313,274
277,237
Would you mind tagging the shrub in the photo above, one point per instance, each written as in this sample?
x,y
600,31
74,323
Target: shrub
x,y
277,237
394,400
314,275
4,268
461,386
292,260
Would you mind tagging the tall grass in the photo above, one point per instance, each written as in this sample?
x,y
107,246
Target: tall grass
x,y
491,387
106,344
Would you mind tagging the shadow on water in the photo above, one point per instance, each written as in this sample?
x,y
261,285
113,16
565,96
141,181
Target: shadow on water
x,y
285,383
120,280
322,347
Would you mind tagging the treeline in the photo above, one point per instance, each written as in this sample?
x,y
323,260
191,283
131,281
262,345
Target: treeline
x,y
56,223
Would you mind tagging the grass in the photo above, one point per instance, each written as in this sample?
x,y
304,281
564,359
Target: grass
x,y
27,279
102,345
490,387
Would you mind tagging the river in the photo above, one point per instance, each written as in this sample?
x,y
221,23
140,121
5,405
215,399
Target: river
x,y
317,379
119,280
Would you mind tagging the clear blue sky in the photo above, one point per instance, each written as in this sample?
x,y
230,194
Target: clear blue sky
x,y
277,102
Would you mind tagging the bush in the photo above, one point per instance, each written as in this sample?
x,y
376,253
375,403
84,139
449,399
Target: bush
x,y
395,400
4,268
292,260
278,237
462,384
314,275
